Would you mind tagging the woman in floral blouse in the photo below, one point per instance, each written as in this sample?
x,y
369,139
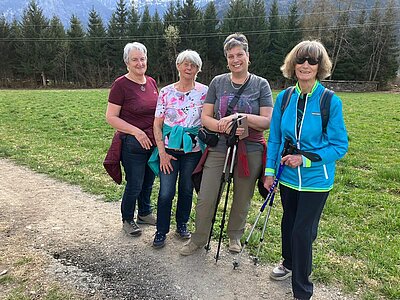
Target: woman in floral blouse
x,y
176,124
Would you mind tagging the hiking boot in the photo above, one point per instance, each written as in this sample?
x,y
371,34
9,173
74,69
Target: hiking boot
x,y
159,240
149,219
302,299
131,228
280,273
235,246
189,248
183,232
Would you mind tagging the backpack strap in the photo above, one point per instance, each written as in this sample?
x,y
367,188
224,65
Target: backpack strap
x,y
286,98
325,106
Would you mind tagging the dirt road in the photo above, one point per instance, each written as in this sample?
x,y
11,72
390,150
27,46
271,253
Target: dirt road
x,y
54,235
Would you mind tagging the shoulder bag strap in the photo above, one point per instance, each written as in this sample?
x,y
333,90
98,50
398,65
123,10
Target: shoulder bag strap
x,y
236,97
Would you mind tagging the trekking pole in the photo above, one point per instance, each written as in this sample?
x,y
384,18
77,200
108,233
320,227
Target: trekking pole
x,y
270,200
221,186
229,180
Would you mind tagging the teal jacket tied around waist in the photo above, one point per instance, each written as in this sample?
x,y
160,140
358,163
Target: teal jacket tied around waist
x,y
178,136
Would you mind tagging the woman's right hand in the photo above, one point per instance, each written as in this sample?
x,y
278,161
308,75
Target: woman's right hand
x,y
268,181
143,139
165,162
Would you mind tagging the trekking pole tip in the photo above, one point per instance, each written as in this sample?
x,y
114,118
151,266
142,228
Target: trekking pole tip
x,y
255,260
235,265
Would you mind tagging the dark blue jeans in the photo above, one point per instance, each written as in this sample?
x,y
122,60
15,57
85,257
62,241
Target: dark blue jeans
x,y
184,166
139,178
301,214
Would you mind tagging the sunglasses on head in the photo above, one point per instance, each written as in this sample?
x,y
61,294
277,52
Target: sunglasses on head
x,y
302,60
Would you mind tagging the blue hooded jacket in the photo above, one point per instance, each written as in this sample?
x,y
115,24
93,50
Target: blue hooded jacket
x,y
330,146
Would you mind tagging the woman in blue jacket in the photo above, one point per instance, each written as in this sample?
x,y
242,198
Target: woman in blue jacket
x,y
304,184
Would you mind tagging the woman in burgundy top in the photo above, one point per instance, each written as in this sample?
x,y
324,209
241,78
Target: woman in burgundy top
x,y
131,107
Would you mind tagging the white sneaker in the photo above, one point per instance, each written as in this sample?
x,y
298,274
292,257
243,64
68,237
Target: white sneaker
x,y
280,273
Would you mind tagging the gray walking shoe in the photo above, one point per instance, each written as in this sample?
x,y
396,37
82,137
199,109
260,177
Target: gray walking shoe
x,y
189,248
131,228
280,273
235,246
149,220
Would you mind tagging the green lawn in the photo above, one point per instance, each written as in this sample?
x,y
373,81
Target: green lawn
x,y
63,133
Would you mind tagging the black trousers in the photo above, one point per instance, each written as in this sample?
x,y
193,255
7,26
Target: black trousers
x,y
301,215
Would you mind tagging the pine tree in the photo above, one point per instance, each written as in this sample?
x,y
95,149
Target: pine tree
x,y
236,17
352,64
5,63
58,48
213,50
32,50
133,22
293,34
157,58
259,39
95,49
117,32
170,15
145,25
76,52
191,24
276,45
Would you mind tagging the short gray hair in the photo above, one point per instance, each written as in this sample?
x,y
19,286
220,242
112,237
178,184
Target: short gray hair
x,y
234,40
133,46
191,56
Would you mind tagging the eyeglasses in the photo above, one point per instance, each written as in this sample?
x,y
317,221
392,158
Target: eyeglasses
x,y
302,60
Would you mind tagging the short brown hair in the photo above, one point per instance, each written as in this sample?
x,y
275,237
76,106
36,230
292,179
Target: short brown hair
x,y
313,49
234,40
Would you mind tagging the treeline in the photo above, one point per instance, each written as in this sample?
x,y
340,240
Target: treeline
x,y
363,44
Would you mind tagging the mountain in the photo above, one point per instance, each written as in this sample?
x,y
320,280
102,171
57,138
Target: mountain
x,y
65,8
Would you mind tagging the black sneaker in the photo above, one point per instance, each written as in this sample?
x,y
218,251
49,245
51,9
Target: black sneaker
x,y
183,232
131,228
159,240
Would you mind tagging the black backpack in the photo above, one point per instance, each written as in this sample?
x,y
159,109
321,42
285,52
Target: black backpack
x,y
325,104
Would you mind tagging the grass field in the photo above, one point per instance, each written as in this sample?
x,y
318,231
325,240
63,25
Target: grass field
x,y
63,133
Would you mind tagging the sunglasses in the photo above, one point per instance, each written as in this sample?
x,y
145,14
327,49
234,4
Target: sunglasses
x,y
302,60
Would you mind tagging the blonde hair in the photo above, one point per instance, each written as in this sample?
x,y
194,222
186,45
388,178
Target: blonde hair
x,y
313,49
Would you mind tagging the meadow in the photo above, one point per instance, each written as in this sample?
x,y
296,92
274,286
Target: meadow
x,y
63,133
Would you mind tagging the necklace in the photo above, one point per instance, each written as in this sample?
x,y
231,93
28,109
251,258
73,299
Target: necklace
x,y
239,86
142,85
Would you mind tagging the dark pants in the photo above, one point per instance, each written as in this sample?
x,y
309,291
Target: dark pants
x,y
139,178
301,215
184,166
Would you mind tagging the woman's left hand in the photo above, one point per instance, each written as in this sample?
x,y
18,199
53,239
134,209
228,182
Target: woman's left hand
x,y
292,161
224,124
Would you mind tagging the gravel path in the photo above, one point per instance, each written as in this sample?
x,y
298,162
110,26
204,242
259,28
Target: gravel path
x,y
74,240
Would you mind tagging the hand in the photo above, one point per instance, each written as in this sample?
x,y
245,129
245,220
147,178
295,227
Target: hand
x,y
165,163
225,124
292,161
143,139
268,181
